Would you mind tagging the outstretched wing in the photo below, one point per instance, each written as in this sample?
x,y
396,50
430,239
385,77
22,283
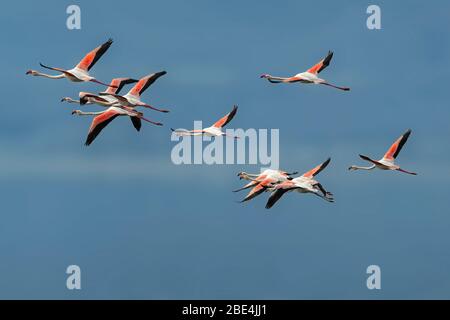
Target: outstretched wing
x,y
67,73
137,123
92,57
257,190
322,64
313,172
117,84
375,162
275,196
98,123
394,150
227,118
248,185
145,82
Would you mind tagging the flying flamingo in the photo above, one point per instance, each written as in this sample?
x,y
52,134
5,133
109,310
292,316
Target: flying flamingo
x,y
387,162
133,97
302,184
80,72
89,98
215,130
103,118
261,182
310,76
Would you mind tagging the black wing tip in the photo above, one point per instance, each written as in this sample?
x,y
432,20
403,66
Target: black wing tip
x,y
89,139
246,199
328,57
363,157
326,163
110,41
234,110
406,135
270,203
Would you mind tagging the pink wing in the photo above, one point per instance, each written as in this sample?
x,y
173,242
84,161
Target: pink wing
x,y
92,57
98,123
145,82
224,120
394,150
311,173
117,84
322,64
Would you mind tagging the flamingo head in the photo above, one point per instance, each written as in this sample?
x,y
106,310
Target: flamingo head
x,y
242,175
352,168
76,112
65,99
265,76
32,72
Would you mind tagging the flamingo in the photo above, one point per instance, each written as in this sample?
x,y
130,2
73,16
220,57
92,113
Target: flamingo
x,y
214,130
89,98
133,97
310,76
103,118
260,182
80,73
387,162
302,184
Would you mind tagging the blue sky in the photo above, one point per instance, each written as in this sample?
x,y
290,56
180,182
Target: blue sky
x,y
142,228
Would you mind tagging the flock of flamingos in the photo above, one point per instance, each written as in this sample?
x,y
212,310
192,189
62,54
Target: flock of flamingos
x,y
275,181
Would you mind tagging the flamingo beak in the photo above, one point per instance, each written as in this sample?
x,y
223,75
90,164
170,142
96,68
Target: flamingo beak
x,y
28,72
